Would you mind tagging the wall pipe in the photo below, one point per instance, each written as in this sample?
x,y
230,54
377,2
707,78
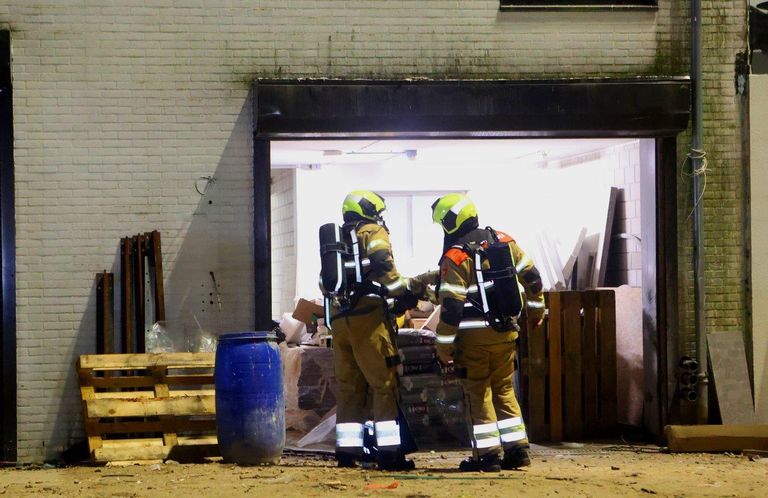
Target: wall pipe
x,y
697,157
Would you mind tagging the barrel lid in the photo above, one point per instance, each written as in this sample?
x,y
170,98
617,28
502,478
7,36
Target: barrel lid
x,y
261,335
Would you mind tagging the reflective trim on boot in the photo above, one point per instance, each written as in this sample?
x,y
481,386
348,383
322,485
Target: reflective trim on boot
x,y
387,434
349,436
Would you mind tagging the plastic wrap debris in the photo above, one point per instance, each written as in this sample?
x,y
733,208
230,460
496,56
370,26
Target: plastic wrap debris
x,y
207,343
323,434
157,340
292,328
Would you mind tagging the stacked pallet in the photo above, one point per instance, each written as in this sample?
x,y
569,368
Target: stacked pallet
x,y
568,368
148,407
431,397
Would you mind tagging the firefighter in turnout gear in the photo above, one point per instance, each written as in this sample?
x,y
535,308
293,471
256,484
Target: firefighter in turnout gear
x,y
363,338
483,355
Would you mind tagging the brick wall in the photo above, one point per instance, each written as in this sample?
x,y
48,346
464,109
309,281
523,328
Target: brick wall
x,y
119,108
724,203
283,231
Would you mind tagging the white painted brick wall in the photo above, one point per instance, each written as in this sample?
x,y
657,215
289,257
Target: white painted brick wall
x,y
120,106
283,232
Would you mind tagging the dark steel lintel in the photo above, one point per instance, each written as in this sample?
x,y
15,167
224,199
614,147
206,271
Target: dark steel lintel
x,y
559,108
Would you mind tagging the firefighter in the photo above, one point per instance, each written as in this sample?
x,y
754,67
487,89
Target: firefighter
x,y
363,340
483,357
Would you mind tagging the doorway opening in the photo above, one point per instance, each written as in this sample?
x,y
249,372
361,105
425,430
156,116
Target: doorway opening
x,y
644,114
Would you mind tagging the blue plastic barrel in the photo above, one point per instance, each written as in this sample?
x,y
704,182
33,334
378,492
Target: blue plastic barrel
x,y
250,404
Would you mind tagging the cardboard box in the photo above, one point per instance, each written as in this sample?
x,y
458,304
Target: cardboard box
x,y
307,311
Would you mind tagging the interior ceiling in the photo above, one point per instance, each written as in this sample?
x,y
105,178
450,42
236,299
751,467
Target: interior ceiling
x,y
469,151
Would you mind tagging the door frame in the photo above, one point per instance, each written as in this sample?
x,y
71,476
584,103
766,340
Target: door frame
x,y
657,108
7,258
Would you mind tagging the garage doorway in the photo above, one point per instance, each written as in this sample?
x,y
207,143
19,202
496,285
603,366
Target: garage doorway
x,y
382,118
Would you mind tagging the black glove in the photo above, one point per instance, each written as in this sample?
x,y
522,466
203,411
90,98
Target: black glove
x,y
404,302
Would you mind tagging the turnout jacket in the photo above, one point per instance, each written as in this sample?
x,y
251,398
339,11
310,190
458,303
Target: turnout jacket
x,y
457,282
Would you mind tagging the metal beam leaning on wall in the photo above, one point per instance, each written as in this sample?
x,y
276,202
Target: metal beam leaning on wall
x,y
105,313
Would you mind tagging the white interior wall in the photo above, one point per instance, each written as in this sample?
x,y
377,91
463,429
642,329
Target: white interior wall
x,y
520,200
283,235
759,231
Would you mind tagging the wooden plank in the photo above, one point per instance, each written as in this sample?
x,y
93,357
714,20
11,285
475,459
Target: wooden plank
x,y
126,296
536,423
94,439
573,422
555,367
139,297
158,442
167,422
183,424
156,266
730,377
702,438
146,360
188,405
105,313
189,452
148,381
604,244
589,302
607,352
127,395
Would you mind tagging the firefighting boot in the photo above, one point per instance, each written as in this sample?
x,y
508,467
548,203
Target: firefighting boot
x,y
486,463
514,458
394,461
345,461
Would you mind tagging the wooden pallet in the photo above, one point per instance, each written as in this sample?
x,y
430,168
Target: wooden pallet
x,y
568,368
148,407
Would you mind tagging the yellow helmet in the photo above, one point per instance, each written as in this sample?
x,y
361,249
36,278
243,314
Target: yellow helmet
x,y
452,210
364,203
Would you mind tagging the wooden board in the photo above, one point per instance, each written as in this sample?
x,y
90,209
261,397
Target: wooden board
x,y
607,352
148,381
604,244
537,370
731,377
146,360
151,407
702,438
590,367
157,452
573,422
555,367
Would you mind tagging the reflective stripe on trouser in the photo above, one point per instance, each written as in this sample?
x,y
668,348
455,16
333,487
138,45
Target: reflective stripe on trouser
x,y
349,437
387,435
490,392
485,436
512,430
361,344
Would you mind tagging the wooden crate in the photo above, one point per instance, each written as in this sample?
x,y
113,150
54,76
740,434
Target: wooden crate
x,y
148,407
568,368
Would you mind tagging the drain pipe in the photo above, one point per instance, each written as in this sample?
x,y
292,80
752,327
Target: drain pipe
x,y
697,157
